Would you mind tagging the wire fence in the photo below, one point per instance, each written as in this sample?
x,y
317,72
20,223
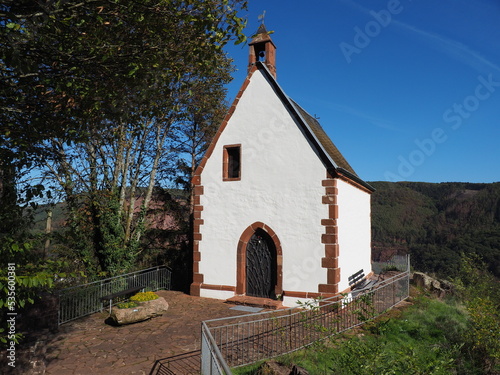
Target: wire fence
x,y
397,263
81,300
238,341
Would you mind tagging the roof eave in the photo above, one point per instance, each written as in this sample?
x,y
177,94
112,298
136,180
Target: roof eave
x,y
311,134
296,112
355,178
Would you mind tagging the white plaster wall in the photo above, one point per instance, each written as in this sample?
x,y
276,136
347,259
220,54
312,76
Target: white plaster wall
x,y
297,302
280,186
354,233
217,294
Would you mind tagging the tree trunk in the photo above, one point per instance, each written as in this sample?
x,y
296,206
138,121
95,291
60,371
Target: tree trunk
x,y
160,141
48,230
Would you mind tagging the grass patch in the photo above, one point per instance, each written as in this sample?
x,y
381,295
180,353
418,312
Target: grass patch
x,y
426,339
127,305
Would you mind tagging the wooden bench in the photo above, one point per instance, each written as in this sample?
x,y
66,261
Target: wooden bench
x,y
358,281
124,292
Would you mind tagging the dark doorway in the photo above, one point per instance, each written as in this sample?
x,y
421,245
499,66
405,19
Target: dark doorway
x,y
261,266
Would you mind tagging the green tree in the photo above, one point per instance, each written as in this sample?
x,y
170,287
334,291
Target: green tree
x,y
98,90
205,111
24,271
69,65
481,295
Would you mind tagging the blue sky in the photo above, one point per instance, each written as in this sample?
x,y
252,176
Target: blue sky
x,y
408,90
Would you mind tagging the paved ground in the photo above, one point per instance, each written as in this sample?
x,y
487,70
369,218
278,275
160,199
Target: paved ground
x,y
168,344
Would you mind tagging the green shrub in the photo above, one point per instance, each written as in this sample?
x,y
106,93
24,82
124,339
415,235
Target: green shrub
x,y
390,268
127,305
144,296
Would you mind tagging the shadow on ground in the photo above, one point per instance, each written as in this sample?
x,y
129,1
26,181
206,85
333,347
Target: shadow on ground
x,y
182,364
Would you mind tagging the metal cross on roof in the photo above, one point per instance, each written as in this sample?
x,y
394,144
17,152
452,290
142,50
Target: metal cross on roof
x,y
262,16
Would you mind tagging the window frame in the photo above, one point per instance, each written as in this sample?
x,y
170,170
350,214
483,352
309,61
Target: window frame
x,y
226,162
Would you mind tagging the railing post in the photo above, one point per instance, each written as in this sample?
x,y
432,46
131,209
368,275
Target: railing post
x,y
59,309
211,359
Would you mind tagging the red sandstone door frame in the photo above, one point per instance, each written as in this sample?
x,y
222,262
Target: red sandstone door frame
x,y
241,257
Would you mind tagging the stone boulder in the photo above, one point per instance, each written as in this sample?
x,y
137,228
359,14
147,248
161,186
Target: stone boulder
x,y
297,370
440,288
274,368
145,310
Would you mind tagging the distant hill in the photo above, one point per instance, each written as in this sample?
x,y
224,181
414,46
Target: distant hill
x,y
59,210
435,223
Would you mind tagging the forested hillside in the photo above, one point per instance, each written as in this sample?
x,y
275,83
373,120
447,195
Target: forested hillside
x,y
435,223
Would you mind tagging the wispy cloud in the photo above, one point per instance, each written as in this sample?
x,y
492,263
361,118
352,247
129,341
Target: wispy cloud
x,y
452,48
379,122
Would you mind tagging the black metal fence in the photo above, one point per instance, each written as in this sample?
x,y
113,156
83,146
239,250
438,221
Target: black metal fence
x,y
81,300
237,341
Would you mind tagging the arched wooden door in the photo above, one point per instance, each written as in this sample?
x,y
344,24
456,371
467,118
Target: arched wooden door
x,y
261,266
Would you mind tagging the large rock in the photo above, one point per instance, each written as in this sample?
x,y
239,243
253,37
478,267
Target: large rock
x,y
438,287
146,310
297,370
274,368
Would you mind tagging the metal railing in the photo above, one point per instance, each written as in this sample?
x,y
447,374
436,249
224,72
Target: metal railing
x,y
242,340
397,262
81,300
212,362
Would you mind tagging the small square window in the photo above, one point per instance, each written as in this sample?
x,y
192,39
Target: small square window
x,y
232,163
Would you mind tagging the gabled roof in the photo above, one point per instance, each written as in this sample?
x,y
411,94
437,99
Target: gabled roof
x,y
323,139
311,128
329,153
